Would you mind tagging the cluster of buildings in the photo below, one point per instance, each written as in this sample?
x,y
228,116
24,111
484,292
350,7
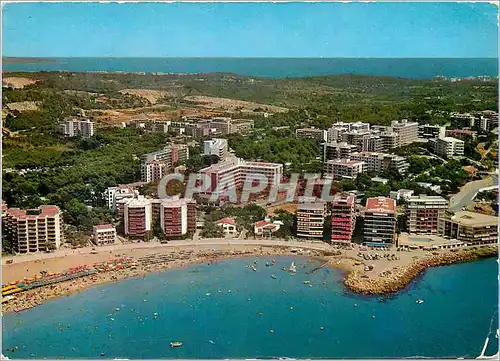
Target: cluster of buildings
x,y
364,136
195,127
353,148
155,165
176,217
427,215
485,121
77,127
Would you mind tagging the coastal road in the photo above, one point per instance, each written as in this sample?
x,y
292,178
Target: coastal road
x,y
469,191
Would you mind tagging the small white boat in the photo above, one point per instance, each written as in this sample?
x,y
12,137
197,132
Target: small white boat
x,y
175,344
273,277
293,268
419,301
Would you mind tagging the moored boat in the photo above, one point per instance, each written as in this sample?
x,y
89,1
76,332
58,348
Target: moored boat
x,y
175,344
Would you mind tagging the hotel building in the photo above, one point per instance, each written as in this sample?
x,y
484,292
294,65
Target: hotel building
x,y
155,170
311,133
430,131
343,169
104,234
356,137
334,150
380,221
75,127
469,227
115,194
379,162
447,147
311,219
216,146
423,212
407,131
168,155
177,217
343,217
33,230
137,216
223,173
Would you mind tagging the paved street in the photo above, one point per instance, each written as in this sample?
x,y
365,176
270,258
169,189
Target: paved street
x,y
469,191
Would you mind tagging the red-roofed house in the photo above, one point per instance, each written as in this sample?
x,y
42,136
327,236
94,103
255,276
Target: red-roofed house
x,y
228,226
104,234
380,221
265,228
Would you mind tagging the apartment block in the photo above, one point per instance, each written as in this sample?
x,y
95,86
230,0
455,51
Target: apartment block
x,y
462,120
380,221
216,146
155,170
168,155
447,147
104,234
334,133
237,169
379,162
356,137
423,212
311,219
33,230
77,127
429,131
311,133
407,131
137,216
343,217
177,217
469,227
390,140
343,169
115,194
334,150
373,143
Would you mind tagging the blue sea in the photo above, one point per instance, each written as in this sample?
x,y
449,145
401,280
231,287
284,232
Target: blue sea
x,y
225,310
418,68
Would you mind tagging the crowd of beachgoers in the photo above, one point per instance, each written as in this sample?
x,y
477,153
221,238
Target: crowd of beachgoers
x,y
367,271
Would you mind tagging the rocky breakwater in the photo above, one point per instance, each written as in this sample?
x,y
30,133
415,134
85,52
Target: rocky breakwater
x,y
401,277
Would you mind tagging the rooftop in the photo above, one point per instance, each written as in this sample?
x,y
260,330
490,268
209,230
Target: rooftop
x,y
346,162
103,226
45,211
466,218
311,206
348,199
425,198
381,204
226,220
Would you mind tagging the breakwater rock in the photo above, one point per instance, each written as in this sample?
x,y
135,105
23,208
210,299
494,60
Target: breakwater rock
x,y
398,280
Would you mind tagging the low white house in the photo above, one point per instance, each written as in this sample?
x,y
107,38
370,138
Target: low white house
x,y
265,228
228,226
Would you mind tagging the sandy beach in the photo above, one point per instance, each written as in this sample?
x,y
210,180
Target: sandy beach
x,y
389,271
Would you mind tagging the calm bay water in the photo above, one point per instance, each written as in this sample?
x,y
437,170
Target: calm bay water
x,y
226,310
419,68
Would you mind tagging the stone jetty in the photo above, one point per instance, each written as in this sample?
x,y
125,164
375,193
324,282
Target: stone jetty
x,y
395,281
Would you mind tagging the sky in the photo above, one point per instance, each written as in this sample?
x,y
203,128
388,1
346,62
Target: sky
x,y
250,30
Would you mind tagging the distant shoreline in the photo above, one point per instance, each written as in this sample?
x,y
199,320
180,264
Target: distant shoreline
x,y
10,60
